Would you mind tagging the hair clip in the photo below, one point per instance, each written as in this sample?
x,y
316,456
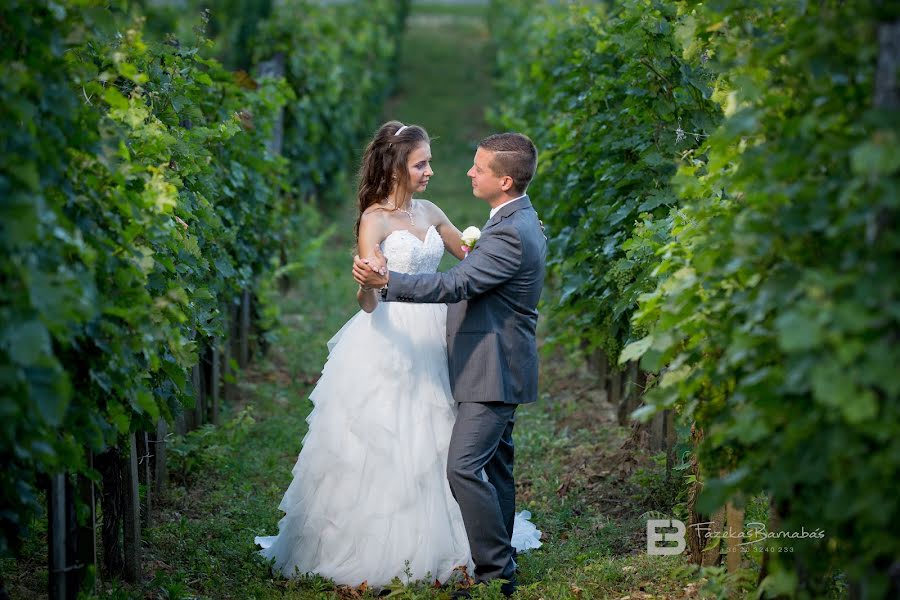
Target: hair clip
x,y
399,131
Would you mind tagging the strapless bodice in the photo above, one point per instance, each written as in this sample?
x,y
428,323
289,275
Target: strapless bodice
x,y
406,253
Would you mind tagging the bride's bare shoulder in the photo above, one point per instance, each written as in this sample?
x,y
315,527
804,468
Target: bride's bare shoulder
x,y
434,213
373,216
374,209
373,224
431,209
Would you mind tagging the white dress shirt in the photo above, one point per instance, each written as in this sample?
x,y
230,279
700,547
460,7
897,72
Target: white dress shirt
x,y
496,208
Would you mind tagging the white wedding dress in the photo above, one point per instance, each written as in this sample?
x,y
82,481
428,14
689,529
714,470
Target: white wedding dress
x,y
369,490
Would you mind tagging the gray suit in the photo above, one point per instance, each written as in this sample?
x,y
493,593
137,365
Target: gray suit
x,y
492,299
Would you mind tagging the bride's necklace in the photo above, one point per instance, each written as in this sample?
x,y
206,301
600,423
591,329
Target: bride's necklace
x,y
392,206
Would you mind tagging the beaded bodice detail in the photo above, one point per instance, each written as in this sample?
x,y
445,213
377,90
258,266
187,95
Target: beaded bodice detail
x,y
406,253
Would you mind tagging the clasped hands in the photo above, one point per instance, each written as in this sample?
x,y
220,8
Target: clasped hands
x,y
371,273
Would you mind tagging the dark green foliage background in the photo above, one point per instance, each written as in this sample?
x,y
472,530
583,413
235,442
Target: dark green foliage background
x,y
139,197
722,197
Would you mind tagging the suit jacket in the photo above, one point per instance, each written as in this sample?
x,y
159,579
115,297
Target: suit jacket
x,y
492,298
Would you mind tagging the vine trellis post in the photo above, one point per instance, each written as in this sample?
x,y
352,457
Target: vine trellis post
x,y
215,379
142,458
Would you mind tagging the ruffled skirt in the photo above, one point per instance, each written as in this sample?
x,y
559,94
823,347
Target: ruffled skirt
x,y
369,497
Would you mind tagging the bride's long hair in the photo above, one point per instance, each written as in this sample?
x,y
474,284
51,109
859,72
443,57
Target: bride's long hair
x,y
384,163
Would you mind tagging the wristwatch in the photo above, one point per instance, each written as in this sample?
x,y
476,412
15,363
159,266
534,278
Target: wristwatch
x,y
383,291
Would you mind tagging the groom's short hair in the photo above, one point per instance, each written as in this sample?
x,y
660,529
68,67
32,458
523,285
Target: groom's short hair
x,y
514,155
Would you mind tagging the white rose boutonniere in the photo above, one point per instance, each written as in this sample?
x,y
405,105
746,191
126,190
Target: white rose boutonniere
x,y
469,238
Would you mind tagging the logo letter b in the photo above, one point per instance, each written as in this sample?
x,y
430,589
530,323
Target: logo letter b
x,y
654,537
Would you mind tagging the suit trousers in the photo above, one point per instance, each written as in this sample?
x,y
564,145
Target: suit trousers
x,y
482,440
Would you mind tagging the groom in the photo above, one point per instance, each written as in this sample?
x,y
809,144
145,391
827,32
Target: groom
x,y
492,298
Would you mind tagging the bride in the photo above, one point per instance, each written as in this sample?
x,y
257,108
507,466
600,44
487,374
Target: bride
x,y
369,498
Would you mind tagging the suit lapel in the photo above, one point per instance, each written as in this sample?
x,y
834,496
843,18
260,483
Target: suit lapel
x,y
506,211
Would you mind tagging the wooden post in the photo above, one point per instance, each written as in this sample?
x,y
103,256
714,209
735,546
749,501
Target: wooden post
x,y
696,540
83,552
632,390
614,393
146,475
234,321
131,513
232,350
774,525
657,432
159,464
180,424
215,380
244,358
202,417
735,518
228,372
600,364
196,410
713,556
56,534
71,547
109,465
631,393
663,436
671,438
